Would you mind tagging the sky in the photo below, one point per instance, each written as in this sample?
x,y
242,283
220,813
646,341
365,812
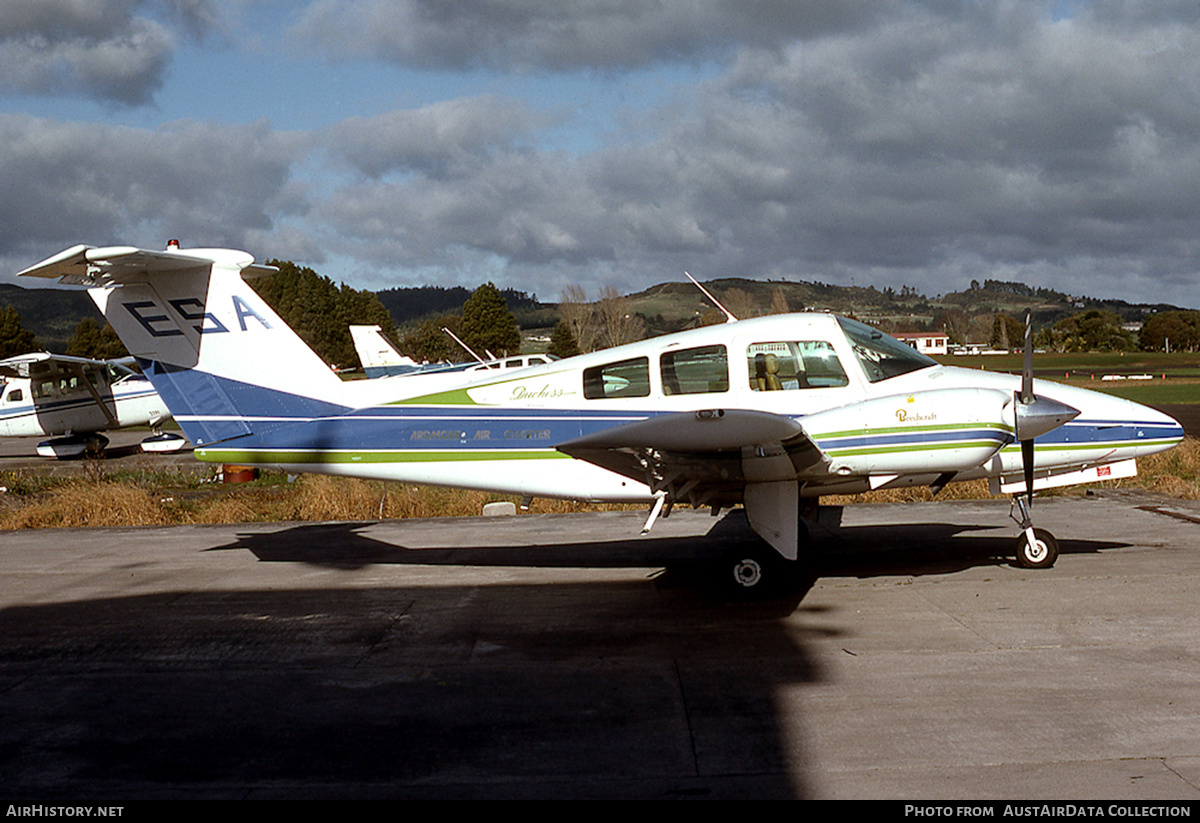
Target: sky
x,y
599,143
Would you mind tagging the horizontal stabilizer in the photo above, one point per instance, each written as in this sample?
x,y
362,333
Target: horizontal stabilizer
x,y
110,265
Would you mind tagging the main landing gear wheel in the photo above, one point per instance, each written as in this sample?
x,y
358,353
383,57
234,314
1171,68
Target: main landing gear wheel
x,y
1041,555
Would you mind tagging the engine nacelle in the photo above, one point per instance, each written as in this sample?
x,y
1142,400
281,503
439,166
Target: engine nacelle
x,y
948,430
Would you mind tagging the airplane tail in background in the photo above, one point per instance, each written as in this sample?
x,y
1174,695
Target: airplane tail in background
x,y
377,354
221,359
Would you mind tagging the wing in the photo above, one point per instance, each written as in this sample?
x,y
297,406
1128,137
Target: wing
x,y
703,457
45,364
68,373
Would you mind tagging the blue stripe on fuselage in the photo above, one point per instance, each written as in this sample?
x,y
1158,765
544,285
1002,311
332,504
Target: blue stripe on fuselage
x,y
280,420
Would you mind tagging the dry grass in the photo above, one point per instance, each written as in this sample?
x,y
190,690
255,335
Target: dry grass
x,y
86,503
31,502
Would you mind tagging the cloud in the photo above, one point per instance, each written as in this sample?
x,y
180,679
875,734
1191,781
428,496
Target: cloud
x,y
928,144
926,148
564,36
67,183
446,138
100,49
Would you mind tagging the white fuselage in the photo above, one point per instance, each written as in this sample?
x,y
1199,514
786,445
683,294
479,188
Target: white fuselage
x,y
29,407
500,432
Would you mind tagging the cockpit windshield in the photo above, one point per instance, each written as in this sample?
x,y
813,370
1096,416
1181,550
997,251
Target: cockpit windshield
x,y
882,356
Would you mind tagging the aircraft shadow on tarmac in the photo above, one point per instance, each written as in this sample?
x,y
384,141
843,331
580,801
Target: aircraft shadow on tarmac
x,y
861,551
574,689
571,690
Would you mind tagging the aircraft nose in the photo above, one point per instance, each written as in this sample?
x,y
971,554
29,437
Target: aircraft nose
x,y
1156,431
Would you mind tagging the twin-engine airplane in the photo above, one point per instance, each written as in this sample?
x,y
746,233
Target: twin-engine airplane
x,y
73,400
769,413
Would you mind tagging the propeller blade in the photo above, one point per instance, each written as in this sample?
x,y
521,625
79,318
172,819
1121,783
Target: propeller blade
x,y
1027,465
1027,366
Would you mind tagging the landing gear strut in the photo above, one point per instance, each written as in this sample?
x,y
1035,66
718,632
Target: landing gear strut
x,y
1035,548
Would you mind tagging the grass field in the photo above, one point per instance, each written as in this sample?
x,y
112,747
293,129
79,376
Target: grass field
x,y
1175,378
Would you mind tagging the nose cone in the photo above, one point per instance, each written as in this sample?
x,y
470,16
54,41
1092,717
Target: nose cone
x,y
1154,431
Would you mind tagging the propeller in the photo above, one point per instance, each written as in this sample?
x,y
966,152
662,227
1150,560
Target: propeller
x,y
1027,400
1035,415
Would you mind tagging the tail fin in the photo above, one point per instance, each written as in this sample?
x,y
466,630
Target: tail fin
x,y
377,354
224,363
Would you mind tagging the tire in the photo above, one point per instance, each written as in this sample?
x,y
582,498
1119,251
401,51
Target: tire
x,y
1042,555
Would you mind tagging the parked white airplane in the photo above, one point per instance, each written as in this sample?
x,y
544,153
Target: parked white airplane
x,y
380,358
79,398
769,413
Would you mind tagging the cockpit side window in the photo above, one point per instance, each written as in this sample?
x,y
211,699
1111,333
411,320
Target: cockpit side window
x,y
624,378
794,364
695,371
882,356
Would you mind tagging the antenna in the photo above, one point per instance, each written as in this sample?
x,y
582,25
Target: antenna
x,y
732,319
464,345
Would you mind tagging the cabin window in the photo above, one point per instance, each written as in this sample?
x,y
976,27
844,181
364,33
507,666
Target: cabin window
x,y
625,378
804,364
695,371
14,396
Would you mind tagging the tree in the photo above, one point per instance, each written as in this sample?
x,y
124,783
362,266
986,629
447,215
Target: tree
x,y
14,338
321,312
90,340
580,317
1091,330
955,323
1007,333
618,324
488,325
562,342
1180,328
430,343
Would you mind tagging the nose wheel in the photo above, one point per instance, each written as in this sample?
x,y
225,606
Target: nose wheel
x,y
1038,553
1035,548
